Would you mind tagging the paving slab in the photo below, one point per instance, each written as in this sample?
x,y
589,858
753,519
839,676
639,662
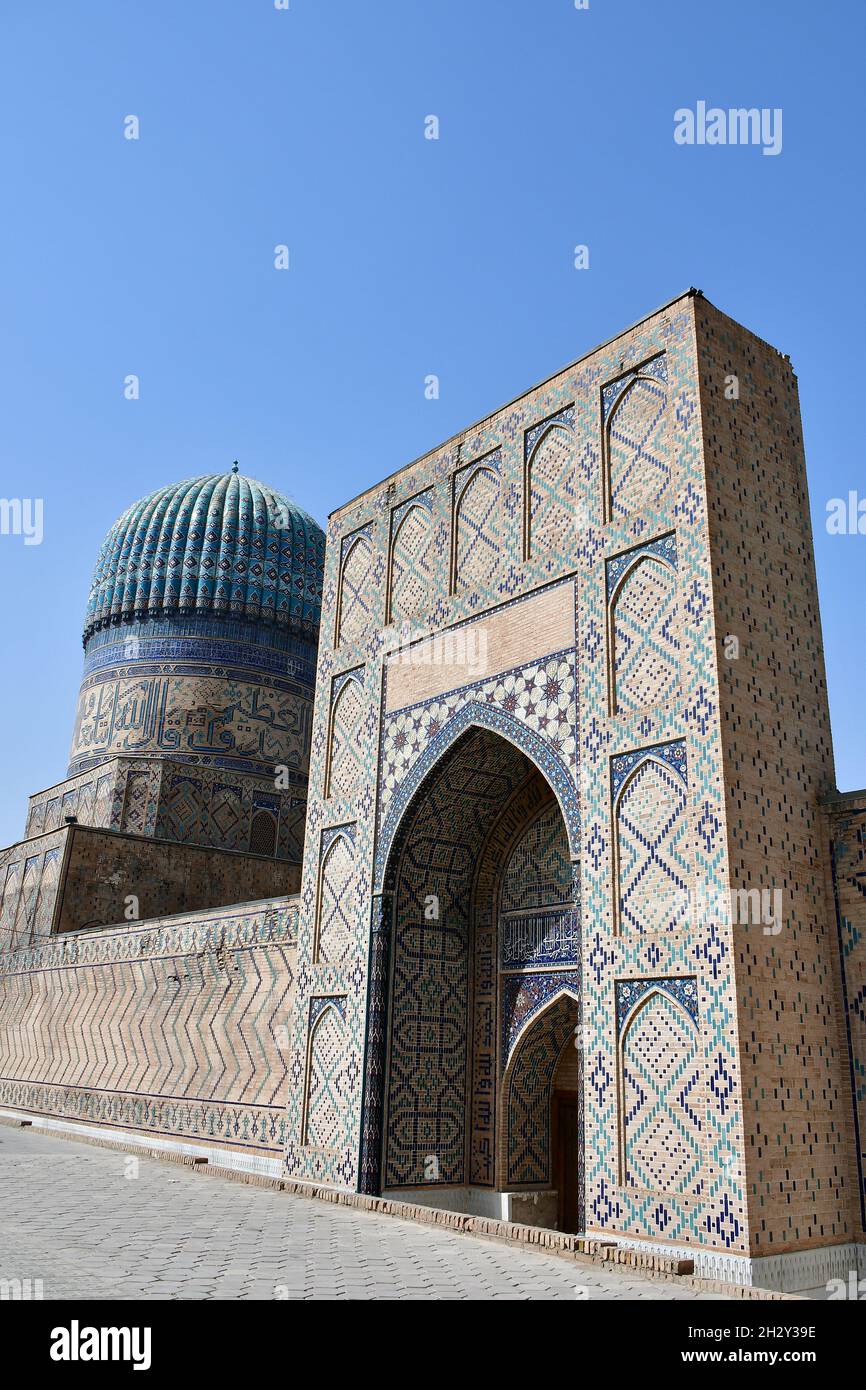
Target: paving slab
x,y
71,1217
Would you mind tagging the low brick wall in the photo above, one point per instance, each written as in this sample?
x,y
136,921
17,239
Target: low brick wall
x,y
174,1027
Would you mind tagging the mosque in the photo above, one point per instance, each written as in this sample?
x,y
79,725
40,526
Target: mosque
x,y
430,857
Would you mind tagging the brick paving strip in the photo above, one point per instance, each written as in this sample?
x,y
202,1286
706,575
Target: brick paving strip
x,y
283,1239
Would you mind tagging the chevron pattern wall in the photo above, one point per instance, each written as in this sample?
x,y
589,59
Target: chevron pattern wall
x,y
176,1028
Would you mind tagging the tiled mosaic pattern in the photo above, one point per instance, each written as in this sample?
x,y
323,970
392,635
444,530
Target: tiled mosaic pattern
x,y
411,570
200,630
346,767
538,923
528,1095
202,711
426,1109
539,696
477,527
86,797
637,437
221,544
337,897
328,1086
538,873
558,927
526,995
355,579
662,1097
652,851
551,485
29,879
655,454
716,1059
644,626
175,801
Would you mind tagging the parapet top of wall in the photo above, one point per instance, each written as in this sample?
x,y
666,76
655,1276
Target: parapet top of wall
x,y
840,803
243,924
353,512
258,909
110,876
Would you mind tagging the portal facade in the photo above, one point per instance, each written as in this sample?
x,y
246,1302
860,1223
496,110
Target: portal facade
x,y
578,934
581,734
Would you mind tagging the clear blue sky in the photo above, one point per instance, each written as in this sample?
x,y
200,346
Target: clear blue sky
x,y
408,257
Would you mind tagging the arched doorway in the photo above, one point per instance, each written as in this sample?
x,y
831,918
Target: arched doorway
x,y
481,919
540,1133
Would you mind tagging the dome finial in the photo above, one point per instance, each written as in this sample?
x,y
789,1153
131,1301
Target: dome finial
x,y
235,466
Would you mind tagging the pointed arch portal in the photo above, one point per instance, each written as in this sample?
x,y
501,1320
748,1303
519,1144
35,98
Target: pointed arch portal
x,y
474,995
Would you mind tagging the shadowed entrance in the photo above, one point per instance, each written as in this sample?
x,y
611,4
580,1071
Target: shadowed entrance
x,y
483,929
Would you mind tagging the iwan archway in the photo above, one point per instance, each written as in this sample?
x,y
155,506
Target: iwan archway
x,y
476,1042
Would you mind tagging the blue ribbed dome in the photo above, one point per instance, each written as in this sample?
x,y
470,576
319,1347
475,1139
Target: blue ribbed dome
x,y
218,545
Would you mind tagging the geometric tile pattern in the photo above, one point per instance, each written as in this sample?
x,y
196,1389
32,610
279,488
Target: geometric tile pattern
x,y
486,1113
228,816
102,801
652,843
636,415
26,911
410,562
440,842
539,920
327,1097
527,994
659,470
645,631
550,485
528,1094
46,900
207,806
683,988
338,900
662,1098
9,906
655,368
346,759
354,607
477,526
135,803
538,873
28,889
663,549
219,713
539,696
184,809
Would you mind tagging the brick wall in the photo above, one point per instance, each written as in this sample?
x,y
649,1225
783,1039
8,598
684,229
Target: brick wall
x,y
173,1027
104,868
777,767
847,835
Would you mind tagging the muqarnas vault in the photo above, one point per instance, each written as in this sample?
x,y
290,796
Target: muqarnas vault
x,y
450,839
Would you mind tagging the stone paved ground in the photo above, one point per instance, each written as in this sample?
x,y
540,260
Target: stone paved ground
x,y
71,1217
